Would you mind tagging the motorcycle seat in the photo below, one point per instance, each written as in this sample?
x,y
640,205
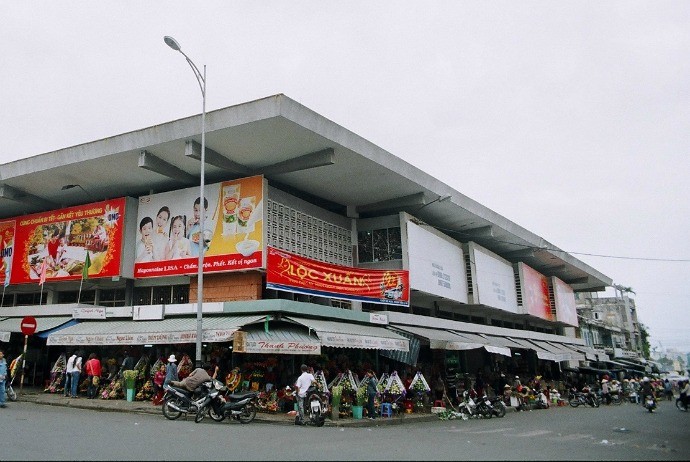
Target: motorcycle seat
x,y
181,390
242,394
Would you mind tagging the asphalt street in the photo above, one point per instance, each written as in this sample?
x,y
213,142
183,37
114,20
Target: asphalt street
x,y
42,432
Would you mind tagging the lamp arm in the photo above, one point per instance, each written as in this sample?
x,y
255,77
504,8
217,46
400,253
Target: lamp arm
x,y
199,77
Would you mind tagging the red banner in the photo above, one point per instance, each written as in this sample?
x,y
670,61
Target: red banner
x,y
63,237
6,250
291,273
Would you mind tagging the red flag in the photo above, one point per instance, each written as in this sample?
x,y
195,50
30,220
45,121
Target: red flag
x,y
44,267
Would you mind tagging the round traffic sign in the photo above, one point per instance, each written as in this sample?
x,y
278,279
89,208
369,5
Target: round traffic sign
x,y
28,325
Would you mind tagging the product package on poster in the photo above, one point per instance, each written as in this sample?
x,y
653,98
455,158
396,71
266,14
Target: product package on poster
x,y
54,245
169,236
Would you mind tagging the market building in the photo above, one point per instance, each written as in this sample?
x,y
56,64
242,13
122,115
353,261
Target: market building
x,y
319,247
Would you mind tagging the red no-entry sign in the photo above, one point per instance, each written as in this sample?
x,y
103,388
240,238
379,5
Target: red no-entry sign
x,y
28,325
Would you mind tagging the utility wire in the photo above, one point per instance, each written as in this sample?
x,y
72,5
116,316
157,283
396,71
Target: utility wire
x,y
679,260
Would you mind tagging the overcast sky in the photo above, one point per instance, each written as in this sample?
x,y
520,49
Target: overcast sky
x,y
571,119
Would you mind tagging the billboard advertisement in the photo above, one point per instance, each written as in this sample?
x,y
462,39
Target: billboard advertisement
x,y
59,242
493,280
564,299
169,236
6,251
291,273
535,292
437,266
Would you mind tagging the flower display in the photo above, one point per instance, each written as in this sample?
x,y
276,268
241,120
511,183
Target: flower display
x,y
336,395
419,384
394,386
320,382
361,395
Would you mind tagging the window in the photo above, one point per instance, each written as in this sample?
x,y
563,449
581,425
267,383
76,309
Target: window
x,y
161,295
87,297
112,297
29,299
379,245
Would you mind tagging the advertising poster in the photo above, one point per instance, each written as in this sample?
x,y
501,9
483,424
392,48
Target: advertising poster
x,y
535,293
564,298
62,238
494,280
6,251
169,238
437,266
291,273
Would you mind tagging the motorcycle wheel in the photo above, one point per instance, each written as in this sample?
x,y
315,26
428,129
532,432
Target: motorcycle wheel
x,y
500,410
170,413
248,413
200,414
616,400
217,416
574,401
486,412
594,402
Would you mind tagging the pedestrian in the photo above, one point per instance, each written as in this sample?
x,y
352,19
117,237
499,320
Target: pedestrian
x,y
439,387
301,386
73,372
668,389
127,363
371,394
3,378
158,380
93,372
605,393
171,371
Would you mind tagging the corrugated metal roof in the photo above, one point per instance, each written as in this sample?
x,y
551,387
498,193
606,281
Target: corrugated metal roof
x,y
43,323
279,334
320,325
350,335
440,338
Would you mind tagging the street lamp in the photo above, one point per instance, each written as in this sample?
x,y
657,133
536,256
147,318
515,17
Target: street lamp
x,y
201,79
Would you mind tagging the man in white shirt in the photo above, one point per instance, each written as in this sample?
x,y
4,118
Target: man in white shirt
x,y
302,385
73,370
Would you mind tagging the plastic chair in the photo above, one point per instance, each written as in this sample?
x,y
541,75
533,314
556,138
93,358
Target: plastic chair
x,y
439,403
386,410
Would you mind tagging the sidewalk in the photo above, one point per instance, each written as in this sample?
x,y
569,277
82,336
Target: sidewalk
x,y
36,395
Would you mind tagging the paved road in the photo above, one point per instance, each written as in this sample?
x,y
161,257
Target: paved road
x,y
40,432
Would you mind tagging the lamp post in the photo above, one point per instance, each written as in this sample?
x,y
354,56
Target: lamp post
x,y
201,79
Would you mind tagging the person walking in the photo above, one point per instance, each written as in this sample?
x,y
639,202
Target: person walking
x,y
301,386
93,372
668,389
371,394
3,378
171,371
72,372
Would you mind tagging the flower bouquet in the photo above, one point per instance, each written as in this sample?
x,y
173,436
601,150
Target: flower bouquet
x,y
320,382
56,375
394,386
419,384
185,367
130,378
361,395
336,395
383,381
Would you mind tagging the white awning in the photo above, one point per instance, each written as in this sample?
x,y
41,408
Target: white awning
x,y
571,351
541,352
486,342
350,335
440,339
560,353
165,331
278,340
10,326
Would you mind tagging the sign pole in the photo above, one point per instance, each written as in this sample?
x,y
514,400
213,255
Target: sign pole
x,y
21,382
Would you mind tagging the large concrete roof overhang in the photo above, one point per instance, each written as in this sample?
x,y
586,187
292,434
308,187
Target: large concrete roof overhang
x,y
299,151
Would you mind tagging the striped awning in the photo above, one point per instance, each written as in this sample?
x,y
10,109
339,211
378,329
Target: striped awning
x,y
350,335
165,331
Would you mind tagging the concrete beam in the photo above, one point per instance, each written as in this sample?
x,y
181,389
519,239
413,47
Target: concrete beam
x,y
150,162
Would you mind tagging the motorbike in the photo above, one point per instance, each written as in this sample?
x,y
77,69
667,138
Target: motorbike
x,y
241,406
541,402
582,398
649,403
178,401
484,407
681,404
499,406
315,408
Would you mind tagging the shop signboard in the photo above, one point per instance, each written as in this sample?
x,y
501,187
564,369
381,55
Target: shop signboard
x,y
564,300
292,273
243,344
535,292
63,238
168,234
6,251
88,312
145,338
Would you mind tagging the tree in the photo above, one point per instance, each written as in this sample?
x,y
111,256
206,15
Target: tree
x,y
644,336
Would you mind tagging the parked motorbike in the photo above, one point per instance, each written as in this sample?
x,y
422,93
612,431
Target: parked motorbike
x,y
649,403
584,398
541,402
315,407
203,407
484,407
499,406
178,401
240,406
